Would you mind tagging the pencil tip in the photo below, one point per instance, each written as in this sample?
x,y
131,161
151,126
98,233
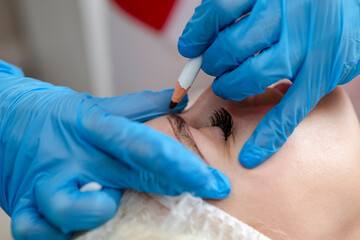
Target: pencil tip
x,y
172,105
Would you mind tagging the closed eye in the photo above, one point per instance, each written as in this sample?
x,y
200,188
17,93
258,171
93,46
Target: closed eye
x,y
222,119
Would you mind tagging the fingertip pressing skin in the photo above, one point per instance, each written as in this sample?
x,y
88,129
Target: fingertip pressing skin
x,y
249,158
218,186
223,184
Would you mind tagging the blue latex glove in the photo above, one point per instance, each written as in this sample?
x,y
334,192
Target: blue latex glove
x,y
55,140
315,44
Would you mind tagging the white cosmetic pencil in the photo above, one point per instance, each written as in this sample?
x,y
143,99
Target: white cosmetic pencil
x,y
186,79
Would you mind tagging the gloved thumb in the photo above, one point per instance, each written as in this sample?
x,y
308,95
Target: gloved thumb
x,y
29,224
140,106
7,69
275,128
70,209
208,20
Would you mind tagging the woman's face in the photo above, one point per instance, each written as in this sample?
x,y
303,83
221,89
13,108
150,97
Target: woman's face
x,y
308,190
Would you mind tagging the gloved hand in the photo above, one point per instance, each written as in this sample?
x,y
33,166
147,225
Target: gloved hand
x,y
315,44
55,140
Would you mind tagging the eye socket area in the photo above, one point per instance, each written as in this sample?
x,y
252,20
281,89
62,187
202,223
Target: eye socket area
x,y
195,132
222,119
214,130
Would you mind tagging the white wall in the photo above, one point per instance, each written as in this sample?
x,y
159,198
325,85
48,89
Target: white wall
x,y
54,38
143,59
11,48
65,48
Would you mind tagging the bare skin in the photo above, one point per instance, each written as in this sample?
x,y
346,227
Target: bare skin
x,y
308,190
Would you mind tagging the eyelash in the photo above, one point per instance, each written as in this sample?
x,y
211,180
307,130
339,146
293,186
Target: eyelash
x,y
222,119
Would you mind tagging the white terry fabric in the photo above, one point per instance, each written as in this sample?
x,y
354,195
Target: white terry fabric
x,y
155,217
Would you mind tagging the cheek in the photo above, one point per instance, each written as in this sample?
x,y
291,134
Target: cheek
x,y
212,145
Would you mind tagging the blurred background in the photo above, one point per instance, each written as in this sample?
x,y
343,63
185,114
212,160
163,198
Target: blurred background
x,y
95,46
100,47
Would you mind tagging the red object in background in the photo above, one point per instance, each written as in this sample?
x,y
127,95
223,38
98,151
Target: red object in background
x,y
153,13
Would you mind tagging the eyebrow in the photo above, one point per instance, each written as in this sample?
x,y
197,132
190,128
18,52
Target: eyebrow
x,y
182,133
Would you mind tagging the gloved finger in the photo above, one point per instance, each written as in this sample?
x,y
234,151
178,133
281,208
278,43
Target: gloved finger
x,y
7,69
141,147
241,40
208,20
140,106
253,76
28,224
70,209
273,131
125,177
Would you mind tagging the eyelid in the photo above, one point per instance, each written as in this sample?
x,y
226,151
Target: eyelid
x,y
182,133
222,118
